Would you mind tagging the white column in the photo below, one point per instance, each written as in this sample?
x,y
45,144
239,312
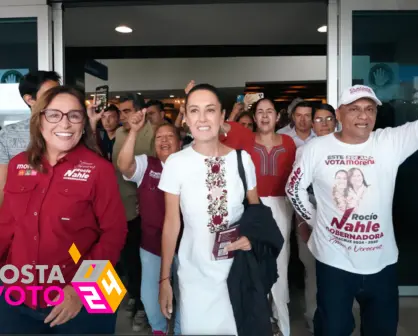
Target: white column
x,y
58,33
44,38
345,46
332,54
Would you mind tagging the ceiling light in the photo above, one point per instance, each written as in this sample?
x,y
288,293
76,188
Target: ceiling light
x,y
139,93
171,96
322,29
117,97
123,29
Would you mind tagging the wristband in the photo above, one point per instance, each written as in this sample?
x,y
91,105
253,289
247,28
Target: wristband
x,y
300,224
162,280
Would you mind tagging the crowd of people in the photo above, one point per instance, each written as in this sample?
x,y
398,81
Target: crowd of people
x,y
197,214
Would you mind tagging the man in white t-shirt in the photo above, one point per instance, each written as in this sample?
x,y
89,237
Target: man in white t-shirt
x,y
353,175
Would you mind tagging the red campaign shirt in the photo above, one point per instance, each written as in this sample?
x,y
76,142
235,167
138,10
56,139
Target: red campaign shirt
x,y
273,169
151,207
239,137
43,214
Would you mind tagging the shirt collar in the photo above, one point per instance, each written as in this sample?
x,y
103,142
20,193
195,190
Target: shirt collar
x,y
293,134
73,156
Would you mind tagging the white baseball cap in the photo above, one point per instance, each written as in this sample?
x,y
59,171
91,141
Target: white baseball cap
x,y
357,92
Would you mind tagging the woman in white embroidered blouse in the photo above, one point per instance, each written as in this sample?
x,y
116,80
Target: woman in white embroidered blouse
x,y
204,181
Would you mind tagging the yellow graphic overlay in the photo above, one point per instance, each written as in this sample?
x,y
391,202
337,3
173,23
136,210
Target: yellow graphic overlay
x,y
89,271
74,253
97,284
111,286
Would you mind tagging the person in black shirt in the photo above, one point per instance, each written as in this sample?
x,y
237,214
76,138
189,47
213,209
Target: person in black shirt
x,y
110,123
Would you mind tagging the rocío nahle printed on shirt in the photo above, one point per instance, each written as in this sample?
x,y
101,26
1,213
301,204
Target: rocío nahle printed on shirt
x,y
353,226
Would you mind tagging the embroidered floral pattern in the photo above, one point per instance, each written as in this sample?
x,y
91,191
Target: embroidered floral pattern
x,y
217,194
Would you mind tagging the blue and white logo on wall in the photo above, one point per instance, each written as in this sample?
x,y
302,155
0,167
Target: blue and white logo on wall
x,y
12,76
381,75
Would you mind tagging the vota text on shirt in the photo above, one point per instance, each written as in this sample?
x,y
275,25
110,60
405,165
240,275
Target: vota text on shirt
x,y
352,160
27,275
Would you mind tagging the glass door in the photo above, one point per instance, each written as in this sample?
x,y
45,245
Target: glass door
x,y
25,44
386,58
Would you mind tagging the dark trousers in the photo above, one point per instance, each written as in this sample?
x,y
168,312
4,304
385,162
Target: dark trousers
x,y
377,295
24,320
130,262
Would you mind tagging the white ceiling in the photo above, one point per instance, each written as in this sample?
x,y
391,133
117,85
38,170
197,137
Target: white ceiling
x,y
220,24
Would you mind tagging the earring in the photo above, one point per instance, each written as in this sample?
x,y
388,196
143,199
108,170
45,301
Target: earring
x,y
84,131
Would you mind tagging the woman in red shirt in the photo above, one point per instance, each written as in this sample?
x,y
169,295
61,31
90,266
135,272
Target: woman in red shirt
x,y
273,156
58,192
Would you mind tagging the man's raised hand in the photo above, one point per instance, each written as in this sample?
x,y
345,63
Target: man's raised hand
x,y
137,120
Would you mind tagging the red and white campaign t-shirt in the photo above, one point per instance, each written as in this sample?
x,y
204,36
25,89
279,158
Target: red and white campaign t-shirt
x,y
353,186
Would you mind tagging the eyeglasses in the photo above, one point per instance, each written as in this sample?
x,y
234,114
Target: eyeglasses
x,y
322,119
357,110
55,116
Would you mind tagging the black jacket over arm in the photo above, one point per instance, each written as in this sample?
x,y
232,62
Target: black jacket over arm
x,y
253,273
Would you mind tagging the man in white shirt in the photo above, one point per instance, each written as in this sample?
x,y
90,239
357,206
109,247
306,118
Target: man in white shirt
x,y
301,116
14,138
324,123
353,175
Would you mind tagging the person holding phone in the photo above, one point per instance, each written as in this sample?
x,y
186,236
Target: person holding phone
x,y
246,120
109,119
101,98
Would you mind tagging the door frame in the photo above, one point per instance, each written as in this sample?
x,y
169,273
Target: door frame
x,y
43,23
340,30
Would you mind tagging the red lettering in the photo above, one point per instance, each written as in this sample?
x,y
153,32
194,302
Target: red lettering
x,y
296,176
360,89
336,241
359,227
367,249
340,224
354,236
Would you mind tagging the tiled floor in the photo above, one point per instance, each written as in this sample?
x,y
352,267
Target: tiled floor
x,y
408,324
